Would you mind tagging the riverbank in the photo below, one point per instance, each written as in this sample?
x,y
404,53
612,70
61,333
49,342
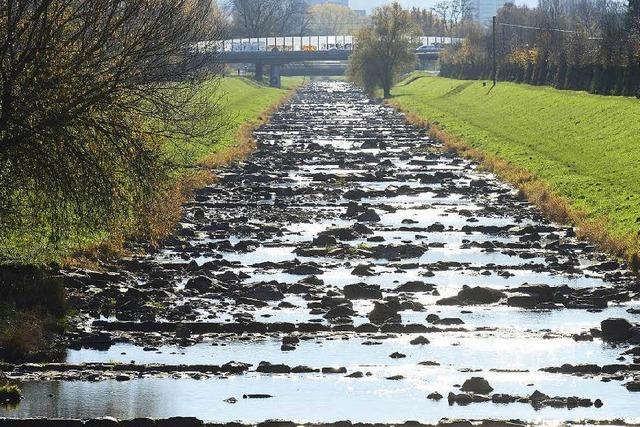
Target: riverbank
x,y
244,104
33,305
573,154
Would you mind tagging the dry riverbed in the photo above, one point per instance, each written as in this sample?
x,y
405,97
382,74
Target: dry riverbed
x,y
350,270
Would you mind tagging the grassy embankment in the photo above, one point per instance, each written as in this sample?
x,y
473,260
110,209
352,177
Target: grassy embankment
x,y
243,103
573,154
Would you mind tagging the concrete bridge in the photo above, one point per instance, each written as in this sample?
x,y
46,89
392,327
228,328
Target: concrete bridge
x,y
304,54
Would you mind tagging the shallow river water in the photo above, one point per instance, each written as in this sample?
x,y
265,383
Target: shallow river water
x,y
331,159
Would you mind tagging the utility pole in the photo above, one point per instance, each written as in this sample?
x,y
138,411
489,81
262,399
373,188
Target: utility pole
x,y
494,71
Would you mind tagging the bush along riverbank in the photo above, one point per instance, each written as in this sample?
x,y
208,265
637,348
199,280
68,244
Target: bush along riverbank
x,y
571,153
33,299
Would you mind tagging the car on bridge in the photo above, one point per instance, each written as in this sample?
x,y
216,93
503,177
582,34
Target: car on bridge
x,y
428,49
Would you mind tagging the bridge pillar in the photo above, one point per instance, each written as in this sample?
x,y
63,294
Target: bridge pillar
x,y
274,75
259,72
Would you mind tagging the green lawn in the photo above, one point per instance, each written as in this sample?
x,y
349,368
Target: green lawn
x,y
243,101
584,146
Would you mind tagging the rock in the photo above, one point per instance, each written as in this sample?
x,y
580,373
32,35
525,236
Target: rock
x,y
362,270
100,341
633,385
341,370
180,422
304,270
264,292
461,399
182,332
616,329
290,340
268,368
324,240
396,355
432,318
362,291
395,378
367,328
523,301
139,422
415,286
383,312
339,234
356,374
404,251
473,296
503,398
303,369
434,396
201,284
342,310
354,194
370,215
103,422
538,396
477,385
419,340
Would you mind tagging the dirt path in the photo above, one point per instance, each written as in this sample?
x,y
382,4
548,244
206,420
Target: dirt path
x,y
349,270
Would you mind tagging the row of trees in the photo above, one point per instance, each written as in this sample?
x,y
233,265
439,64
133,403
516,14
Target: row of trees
x,y
261,18
589,45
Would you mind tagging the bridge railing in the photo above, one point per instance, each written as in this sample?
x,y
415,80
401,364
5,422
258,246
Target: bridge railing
x,y
299,43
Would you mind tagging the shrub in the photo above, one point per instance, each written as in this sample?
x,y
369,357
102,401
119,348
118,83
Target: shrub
x,y
10,394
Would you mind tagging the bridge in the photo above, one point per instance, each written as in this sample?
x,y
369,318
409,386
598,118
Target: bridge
x,y
278,52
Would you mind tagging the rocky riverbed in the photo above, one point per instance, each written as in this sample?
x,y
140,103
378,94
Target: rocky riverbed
x,y
350,269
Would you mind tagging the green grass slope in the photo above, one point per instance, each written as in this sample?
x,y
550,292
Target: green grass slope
x,y
585,147
241,101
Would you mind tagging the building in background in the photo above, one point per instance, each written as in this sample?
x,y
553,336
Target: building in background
x,y
486,9
360,12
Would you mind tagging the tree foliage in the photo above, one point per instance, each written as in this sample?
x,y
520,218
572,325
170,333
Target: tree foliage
x,y
89,90
384,49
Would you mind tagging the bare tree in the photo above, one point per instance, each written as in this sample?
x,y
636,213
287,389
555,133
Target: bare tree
x,y
453,13
261,18
428,21
89,90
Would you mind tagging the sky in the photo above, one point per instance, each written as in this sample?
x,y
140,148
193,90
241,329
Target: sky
x,y
427,4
